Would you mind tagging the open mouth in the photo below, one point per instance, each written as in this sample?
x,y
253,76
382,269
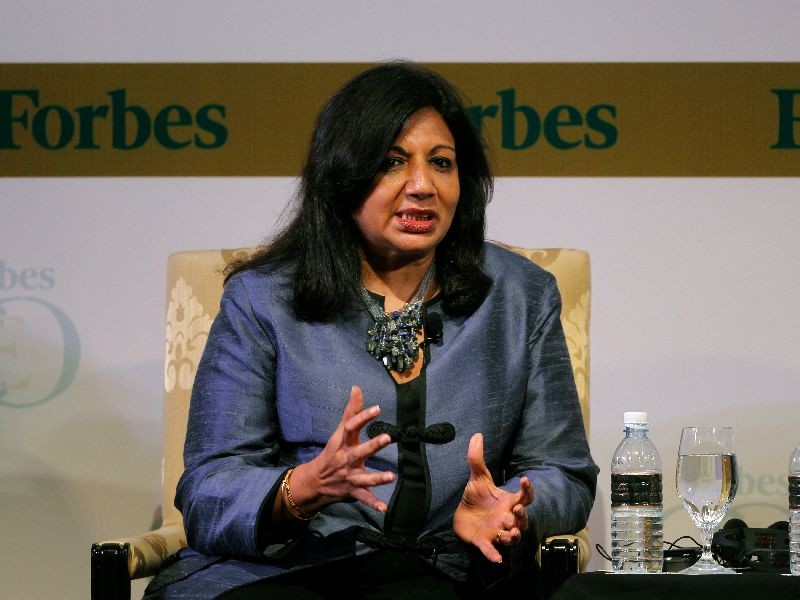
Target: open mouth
x,y
416,221
416,216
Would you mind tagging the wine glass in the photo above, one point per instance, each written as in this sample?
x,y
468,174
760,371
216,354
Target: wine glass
x,y
706,478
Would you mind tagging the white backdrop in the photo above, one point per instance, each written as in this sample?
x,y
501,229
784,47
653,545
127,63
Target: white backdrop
x,y
694,280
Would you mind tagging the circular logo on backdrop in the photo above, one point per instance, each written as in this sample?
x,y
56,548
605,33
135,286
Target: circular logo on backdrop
x,y
39,351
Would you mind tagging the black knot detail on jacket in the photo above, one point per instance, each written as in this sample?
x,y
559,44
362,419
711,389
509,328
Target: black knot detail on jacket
x,y
438,433
429,546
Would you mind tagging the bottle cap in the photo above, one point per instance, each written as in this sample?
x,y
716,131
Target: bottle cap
x,y
635,418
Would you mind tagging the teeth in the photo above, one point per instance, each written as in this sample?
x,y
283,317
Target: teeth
x,y
415,217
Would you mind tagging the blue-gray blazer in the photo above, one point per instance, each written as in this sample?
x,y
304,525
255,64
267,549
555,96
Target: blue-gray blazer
x,y
270,390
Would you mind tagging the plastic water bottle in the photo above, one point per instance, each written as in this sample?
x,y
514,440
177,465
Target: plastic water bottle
x,y
794,512
637,530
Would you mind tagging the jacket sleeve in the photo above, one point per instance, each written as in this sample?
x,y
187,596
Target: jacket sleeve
x,y
551,448
231,452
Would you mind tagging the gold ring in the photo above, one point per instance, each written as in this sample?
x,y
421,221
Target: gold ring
x,y
499,534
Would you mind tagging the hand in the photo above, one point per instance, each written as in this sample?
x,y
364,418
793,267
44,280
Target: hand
x,y
338,472
489,515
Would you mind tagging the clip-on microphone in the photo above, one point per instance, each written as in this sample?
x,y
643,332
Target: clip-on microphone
x,y
433,328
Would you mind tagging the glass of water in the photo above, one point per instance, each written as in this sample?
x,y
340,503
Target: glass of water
x,y
706,479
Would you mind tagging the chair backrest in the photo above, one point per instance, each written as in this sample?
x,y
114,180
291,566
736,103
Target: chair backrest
x,y
194,287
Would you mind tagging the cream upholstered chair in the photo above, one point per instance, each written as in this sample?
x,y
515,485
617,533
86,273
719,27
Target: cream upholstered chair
x,y
194,287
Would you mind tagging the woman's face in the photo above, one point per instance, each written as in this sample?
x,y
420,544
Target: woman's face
x,y
411,204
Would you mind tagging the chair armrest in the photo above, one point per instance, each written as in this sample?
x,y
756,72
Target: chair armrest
x,y
561,557
584,547
143,554
110,580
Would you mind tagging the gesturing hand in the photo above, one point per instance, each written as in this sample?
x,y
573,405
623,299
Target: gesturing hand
x,y
488,515
338,472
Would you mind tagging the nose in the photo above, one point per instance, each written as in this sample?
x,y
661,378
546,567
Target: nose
x,y
419,184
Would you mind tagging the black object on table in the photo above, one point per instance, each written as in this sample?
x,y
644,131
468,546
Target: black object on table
x,y
667,586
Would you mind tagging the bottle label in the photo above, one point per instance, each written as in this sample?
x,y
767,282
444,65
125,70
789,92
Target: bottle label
x,y
636,489
794,492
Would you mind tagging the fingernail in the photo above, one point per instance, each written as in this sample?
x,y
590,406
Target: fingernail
x,y
386,439
387,477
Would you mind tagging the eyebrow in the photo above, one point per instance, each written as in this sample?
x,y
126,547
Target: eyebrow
x,y
437,147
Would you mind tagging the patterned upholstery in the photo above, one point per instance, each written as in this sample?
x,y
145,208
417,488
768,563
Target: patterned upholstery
x,y
194,287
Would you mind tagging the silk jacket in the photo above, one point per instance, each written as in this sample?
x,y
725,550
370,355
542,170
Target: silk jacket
x,y
270,390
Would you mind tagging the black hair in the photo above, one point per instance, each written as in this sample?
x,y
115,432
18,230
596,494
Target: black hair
x,y
353,134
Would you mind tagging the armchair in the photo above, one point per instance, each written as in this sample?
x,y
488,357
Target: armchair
x,y
194,287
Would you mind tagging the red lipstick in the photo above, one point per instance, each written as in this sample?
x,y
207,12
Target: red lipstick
x,y
415,220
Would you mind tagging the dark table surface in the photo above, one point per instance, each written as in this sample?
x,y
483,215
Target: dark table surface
x,y
669,586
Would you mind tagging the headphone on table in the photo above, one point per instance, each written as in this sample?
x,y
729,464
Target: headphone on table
x,y
738,546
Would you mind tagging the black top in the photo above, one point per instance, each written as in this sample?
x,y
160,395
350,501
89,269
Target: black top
x,y
411,499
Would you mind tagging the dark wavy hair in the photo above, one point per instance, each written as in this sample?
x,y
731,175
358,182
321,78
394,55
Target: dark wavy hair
x,y
353,134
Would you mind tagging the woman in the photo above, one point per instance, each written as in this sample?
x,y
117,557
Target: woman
x,y
373,371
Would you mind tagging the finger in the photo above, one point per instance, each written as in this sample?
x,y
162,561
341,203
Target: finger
x,y
477,465
369,448
354,404
367,480
522,517
366,497
512,536
488,550
525,493
526,487
354,425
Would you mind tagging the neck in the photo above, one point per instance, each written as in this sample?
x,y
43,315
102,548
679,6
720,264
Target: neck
x,y
397,284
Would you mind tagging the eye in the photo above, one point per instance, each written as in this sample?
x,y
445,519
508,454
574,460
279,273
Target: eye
x,y
442,163
391,162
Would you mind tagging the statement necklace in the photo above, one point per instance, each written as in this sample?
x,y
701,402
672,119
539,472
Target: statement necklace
x,y
392,338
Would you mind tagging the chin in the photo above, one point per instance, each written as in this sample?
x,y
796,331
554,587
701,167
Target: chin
x,y
419,249
409,253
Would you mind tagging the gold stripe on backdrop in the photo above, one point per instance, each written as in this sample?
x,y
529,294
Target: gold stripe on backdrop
x,y
541,119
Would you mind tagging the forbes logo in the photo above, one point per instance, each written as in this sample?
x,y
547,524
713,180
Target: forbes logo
x,y
39,351
54,126
564,127
28,279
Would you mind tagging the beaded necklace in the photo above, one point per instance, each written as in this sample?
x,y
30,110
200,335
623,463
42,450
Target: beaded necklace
x,y
392,337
